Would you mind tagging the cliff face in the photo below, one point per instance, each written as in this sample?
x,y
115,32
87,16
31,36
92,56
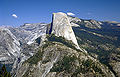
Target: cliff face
x,y
57,60
9,46
18,44
27,33
61,27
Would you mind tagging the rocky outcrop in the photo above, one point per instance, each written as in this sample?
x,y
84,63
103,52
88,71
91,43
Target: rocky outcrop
x,y
73,21
57,60
61,27
9,46
27,33
18,44
92,24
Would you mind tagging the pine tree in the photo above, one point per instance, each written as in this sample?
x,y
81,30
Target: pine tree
x,y
3,72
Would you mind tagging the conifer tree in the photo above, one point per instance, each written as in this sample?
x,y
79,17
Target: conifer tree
x,y
3,72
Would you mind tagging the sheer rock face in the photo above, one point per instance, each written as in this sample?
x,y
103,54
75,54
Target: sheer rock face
x,y
27,33
9,46
61,27
18,44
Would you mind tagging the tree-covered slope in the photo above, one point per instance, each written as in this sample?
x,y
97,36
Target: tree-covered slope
x,y
101,43
55,59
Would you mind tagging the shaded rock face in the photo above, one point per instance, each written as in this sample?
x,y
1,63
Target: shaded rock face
x,y
58,60
18,44
14,41
27,33
9,46
61,27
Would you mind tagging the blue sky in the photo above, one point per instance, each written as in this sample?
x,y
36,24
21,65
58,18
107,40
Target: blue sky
x,y
36,11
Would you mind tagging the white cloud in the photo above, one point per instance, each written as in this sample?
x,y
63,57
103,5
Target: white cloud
x,y
71,14
14,15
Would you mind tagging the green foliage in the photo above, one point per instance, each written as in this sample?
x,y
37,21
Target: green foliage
x,y
67,64
38,56
64,65
35,58
62,40
93,42
88,66
87,63
3,72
